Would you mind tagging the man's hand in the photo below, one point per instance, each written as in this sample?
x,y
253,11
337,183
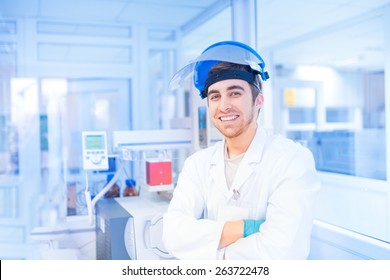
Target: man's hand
x,y
232,231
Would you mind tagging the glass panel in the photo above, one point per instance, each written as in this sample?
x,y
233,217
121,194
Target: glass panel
x,y
335,115
348,140
161,63
8,135
334,151
7,27
302,115
374,101
9,163
52,196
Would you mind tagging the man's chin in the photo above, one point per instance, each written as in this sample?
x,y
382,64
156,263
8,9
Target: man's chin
x,y
228,133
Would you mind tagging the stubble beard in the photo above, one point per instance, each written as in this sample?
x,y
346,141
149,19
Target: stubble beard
x,y
234,132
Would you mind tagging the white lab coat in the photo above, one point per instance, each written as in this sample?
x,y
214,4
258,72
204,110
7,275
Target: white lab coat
x,y
276,181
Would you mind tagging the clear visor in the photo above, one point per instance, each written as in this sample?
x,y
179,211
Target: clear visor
x,y
229,53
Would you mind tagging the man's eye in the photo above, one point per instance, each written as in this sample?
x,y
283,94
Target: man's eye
x,y
214,97
235,93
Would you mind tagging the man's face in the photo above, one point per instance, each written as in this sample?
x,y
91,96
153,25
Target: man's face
x,y
231,107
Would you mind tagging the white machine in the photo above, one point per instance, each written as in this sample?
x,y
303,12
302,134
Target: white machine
x,y
143,231
131,228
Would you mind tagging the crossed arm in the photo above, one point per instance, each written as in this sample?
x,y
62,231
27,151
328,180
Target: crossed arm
x,y
234,230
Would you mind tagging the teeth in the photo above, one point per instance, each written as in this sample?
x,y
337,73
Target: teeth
x,y
230,118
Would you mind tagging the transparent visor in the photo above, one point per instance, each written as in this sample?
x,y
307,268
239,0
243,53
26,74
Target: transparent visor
x,y
199,67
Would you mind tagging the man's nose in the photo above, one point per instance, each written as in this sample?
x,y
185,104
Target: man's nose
x,y
225,104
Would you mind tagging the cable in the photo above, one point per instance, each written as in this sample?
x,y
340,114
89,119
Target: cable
x,y
91,202
88,200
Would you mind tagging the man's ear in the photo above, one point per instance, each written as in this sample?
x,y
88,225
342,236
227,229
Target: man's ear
x,y
259,100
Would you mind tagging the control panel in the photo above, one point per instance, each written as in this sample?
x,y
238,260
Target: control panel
x,y
95,155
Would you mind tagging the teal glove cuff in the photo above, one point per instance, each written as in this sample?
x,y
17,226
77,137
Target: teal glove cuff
x,y
252,226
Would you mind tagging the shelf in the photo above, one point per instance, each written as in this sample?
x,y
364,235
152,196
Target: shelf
x,y
156,188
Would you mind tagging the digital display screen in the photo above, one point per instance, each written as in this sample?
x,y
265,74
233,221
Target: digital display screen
x,y
94,142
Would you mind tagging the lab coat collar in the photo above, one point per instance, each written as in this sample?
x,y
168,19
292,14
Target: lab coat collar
x,y
252,155
255,149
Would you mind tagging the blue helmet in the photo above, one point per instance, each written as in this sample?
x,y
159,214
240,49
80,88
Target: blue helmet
x,y
227,51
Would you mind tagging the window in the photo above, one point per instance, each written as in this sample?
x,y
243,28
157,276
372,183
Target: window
x,y
341,120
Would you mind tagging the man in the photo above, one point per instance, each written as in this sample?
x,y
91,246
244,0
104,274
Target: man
x,y
250,196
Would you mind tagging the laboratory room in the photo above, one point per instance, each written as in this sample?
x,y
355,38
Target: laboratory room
x,y
197,129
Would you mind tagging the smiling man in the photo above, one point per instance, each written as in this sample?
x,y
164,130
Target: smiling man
x,y
252,195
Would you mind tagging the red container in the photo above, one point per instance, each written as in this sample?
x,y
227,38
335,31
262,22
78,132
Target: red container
x,y
158,172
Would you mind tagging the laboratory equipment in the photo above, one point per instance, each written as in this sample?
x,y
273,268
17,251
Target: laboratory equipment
x,y
158,172
114,191
111,220
95,155
155,174
130,189
131,228
134,145
144,230
91,202
202,125
126,142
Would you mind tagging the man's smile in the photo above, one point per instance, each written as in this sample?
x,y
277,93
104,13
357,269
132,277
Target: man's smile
x,y
228,118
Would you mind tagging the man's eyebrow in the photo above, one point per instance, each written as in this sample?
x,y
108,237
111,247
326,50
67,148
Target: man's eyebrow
x,y
213,91
229,88
235,87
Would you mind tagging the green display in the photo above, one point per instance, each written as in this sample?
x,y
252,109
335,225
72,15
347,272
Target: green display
x,y
94,142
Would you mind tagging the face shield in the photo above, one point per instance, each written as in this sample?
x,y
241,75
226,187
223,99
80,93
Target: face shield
x,y
227,51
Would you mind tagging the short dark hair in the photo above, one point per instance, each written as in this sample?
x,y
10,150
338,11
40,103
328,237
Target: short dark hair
x,y
223,65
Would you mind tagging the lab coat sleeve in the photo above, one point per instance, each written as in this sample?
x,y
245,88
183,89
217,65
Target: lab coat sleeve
x,y
186,235
287,229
